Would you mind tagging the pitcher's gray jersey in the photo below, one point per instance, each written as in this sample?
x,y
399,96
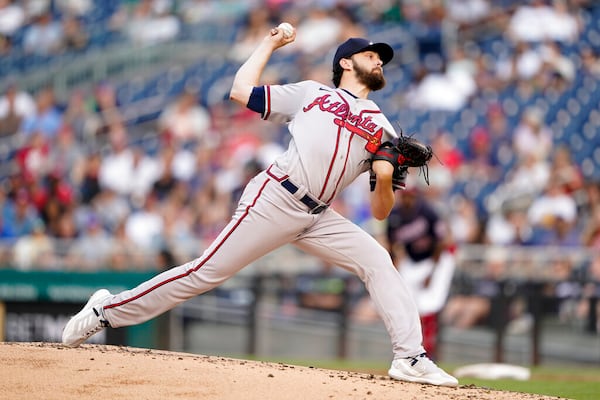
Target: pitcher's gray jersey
x,y
333,133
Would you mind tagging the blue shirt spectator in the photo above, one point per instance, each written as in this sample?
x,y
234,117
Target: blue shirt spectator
x,y
44,36
47,119
19,217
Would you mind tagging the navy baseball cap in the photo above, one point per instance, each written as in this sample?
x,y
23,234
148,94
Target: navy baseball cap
x,y
358,45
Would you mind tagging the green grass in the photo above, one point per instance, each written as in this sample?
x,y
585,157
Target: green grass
x,y
564,389
580,383
570,382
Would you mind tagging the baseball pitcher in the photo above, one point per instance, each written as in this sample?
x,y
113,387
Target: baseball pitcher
x,y
336,134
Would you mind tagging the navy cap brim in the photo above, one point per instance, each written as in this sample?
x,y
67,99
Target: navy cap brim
x,y
385,51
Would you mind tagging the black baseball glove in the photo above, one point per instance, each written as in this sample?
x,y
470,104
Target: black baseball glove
x,y
402,153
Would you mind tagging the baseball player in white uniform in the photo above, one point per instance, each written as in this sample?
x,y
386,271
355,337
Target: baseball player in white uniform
x,y
334,132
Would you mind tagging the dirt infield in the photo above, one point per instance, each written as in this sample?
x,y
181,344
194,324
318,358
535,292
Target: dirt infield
x,y
50,371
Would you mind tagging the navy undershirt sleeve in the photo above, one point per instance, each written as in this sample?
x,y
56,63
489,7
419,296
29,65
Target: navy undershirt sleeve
x,y
257,100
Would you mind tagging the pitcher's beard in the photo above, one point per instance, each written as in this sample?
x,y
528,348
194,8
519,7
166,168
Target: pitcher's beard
x,y
374,80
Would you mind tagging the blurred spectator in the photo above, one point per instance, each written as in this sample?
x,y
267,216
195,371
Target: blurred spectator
x,y
37,190
10,121
66,156
558,232
352,25
532,136
47,118
487,79
77,8
251,169
6,46
204,168
111,209
591,229
523,63
509,224
565,171
197,11
438,90
185,121
184,163
34,251
152,22
426,22
317,31
212,209
91,250
19,217
590,61
442,171
52,197
242,141
558,70
127,171
462,68
178,236
60,190
468,13
554,214
526,179
5,204
258,21
532,22
33,158
83,121
74,36
35,8
89,185
499,133
480,160
125,255
554,203
564,23
65,230
15,105
12,17
463,221
145,226
44,36
51,212
164,182
116,166
144,172
447,152
106,107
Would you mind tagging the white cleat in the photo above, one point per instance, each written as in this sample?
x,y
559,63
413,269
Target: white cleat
x,y
420,369
86,322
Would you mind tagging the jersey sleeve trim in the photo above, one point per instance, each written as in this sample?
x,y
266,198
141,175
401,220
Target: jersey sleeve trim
x,y
256,102
267,103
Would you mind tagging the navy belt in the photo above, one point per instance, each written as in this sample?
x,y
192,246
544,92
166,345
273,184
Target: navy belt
x,y
313,206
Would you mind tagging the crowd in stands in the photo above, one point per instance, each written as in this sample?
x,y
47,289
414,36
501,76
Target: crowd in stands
x,y
79,194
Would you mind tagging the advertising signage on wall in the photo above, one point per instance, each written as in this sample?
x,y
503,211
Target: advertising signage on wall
x,y
36,305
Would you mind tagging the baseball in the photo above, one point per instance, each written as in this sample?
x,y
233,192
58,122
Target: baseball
x,y
287,28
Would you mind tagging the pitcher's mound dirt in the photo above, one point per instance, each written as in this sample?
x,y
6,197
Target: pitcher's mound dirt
x,y
50,371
